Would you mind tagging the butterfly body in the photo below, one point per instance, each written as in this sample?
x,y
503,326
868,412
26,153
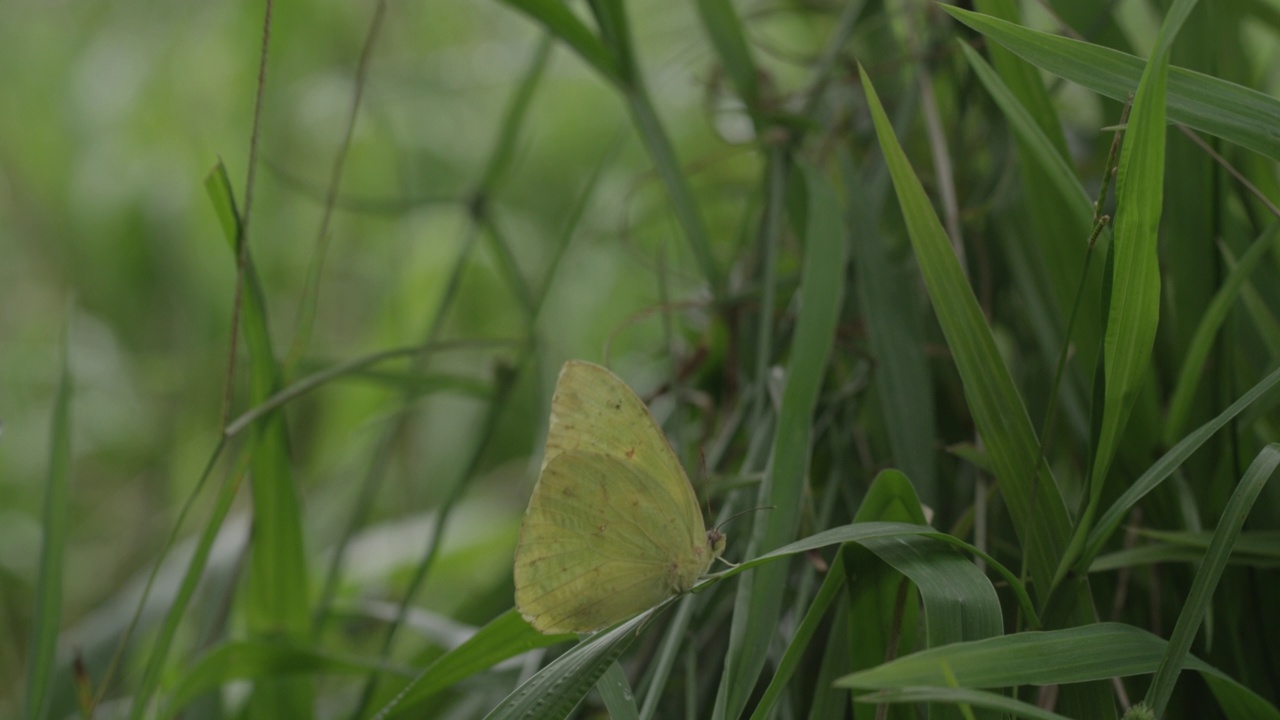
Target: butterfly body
x,y
613,527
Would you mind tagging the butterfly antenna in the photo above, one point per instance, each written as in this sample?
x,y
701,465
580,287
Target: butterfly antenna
x,y
744,512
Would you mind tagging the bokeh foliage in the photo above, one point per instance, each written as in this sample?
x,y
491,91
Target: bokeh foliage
x,y
1016,453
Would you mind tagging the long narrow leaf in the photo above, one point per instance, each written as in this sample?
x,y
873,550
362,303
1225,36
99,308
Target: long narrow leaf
x,y
997,408
821,291
1220,108
46,619
1207,576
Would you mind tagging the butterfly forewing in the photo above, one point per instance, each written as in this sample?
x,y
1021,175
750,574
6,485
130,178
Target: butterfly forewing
x,y
593,411
598,544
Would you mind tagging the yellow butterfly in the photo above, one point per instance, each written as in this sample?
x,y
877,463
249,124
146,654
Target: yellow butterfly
x,y
613,527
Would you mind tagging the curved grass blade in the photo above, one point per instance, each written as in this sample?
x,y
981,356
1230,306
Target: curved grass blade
x,y
994,401
1169,462
1207,576
1088,652
557,18
962,696
1202,341
1133,308
47,615
1220,108
558,688
507,636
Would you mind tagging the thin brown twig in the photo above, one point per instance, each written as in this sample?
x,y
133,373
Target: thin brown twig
x,y
242,239
311,293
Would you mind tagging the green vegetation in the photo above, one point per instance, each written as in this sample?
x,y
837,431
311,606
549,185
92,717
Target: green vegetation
x,y
981,304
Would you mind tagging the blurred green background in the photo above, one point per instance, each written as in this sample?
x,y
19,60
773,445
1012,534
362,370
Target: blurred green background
x,y
511,237
112,114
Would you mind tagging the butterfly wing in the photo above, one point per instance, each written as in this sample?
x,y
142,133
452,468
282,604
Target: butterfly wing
x,y
593,411
600,543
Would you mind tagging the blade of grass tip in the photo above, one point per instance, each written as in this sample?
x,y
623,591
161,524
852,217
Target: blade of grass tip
x,y
1208,574
47,614
1134,306
994,401
1202,340
817,218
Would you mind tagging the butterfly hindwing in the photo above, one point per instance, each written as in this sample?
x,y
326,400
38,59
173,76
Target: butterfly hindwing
x,y
598,543
593,411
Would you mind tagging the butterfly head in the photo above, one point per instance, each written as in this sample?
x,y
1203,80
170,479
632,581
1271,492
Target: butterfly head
x,y
715,542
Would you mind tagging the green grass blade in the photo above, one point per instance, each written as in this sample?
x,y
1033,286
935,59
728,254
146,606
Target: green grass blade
x,y
1133,309
1220,108
558,688
507,636
994,402
896,333
557,18
616,693
1207,576
1090,652
1202,341
278,584
724,27
1169,462
278,601
155,664
800,643
1042,149
957,696
759,599
47,615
